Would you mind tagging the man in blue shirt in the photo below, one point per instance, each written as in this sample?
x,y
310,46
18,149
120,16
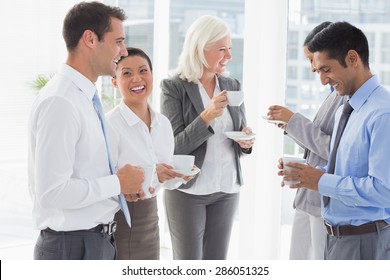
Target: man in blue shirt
x,y
357,205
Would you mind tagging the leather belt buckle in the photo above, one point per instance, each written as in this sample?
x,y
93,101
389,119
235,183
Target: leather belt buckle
x,y
109,228
330,228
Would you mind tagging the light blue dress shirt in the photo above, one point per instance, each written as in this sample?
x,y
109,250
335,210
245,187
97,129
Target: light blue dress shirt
x,y
359,189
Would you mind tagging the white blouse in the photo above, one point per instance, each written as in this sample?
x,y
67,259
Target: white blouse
x,y
218,173
132,143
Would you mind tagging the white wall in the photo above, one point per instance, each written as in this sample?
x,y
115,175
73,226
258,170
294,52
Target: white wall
x,y
264,84
31,44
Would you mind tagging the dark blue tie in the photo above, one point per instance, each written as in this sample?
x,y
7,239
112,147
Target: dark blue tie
x,y
347,110
99,110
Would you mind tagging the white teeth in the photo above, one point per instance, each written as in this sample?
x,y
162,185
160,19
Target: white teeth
x,y
138,88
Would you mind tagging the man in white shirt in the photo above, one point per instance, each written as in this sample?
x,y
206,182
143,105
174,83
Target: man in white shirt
x,y
75,194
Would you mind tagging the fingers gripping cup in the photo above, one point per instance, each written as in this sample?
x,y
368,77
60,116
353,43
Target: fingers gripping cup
x,y
291,159
235,98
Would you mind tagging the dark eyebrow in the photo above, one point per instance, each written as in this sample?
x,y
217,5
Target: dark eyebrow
x,y
322,67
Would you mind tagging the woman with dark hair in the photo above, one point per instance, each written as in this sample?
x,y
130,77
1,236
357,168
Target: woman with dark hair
x,y
142,137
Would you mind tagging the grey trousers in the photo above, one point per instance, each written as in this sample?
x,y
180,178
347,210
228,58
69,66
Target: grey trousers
x,y
372,246
142,240
74,245
200,225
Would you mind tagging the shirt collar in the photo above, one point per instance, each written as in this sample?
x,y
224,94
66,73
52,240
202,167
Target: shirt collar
x,y
363,93
82,82
132,119
217,88
217,83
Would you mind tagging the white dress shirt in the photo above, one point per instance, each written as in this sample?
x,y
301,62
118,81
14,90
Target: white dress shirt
x,y
219,172
131,142
69,175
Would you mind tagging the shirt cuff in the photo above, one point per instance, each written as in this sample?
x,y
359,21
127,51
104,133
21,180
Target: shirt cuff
x,y
327,185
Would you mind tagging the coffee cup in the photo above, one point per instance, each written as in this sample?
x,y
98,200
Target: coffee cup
x,y
149,171
183,162
291,159
235,97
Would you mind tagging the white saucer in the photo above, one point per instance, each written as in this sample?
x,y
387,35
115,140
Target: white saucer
x,y
193,172
239,135
273,121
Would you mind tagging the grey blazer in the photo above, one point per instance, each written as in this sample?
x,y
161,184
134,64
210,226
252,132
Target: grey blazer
x,y
182,104
314,136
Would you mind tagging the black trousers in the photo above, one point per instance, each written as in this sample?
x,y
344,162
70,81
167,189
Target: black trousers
x,y
74,245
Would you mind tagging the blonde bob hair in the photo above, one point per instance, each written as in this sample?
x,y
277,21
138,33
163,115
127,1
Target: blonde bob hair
x,y
202,34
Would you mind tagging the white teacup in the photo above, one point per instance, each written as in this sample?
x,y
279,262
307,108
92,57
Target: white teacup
x,y
291,159
149,171
183,162
235,98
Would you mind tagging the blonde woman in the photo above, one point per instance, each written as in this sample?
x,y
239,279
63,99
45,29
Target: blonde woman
x,y
201,213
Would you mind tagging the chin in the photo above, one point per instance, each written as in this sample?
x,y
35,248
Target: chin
x,y
341,93
111,72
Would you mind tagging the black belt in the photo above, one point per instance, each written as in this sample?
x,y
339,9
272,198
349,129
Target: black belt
x,y
108,229
376,226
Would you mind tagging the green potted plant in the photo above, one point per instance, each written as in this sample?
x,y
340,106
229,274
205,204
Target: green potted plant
x,y
40,81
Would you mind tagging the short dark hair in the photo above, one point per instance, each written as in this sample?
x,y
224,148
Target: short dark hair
x,y
137,52
339,38
94,16
314,32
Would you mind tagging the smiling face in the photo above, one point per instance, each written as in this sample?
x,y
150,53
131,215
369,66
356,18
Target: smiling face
x,y
342,79
218,55
134,79
110,49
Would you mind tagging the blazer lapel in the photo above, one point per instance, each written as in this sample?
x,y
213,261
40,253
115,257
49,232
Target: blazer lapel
x,y
192,91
